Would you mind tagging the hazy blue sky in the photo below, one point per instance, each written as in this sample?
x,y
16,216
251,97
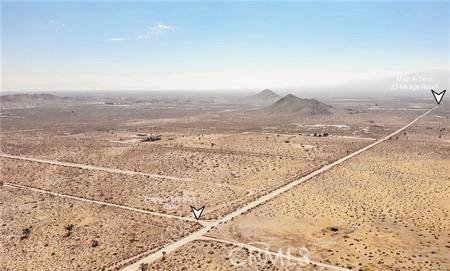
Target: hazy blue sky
x,y
153,45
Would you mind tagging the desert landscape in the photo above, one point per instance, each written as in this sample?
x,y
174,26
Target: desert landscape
x,y
224,135
124,195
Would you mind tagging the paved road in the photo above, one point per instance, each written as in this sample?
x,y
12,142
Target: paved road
x,y
201,232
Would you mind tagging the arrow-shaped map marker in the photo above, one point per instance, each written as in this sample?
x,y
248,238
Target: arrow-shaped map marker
x,y
197,212
438,96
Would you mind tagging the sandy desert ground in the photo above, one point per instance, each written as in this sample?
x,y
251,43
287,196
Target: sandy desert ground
x,y
83,165
211,255
41,232
387,209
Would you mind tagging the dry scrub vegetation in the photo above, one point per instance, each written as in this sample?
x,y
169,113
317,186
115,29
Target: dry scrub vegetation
x,y
41,232
161,195
246,160
251,164
387,209
210,255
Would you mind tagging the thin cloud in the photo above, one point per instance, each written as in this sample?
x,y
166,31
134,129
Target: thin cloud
x,y
163,26
48,25
156,30
114,39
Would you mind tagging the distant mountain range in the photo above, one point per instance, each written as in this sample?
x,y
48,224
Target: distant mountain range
x,y
291,104
15,98
266,96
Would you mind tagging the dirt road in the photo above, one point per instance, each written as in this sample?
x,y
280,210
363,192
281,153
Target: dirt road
x,y
199,234
113,170
18,186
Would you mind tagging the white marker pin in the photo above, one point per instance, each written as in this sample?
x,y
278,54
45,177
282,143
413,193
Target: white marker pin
x,y
438,96
197,212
